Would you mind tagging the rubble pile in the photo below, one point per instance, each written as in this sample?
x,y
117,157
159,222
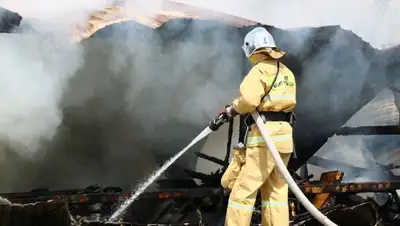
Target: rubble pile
x,y
362,214
39,213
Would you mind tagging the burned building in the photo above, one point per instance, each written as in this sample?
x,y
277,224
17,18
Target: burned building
x,y
127,79
150,83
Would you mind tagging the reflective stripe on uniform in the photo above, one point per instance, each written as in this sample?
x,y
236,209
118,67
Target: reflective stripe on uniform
x,y
260,140
273,203
240,206
279,97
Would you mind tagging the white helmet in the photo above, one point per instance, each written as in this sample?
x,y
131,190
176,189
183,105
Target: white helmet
x,y
257,38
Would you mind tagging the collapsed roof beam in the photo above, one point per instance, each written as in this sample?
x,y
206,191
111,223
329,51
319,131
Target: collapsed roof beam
x,y
328,163
369,130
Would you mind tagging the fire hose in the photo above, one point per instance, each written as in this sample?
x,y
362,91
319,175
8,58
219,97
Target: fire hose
x,y
223,118
282,168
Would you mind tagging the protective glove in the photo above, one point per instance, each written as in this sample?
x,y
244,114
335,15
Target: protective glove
x,y
230,111
227,113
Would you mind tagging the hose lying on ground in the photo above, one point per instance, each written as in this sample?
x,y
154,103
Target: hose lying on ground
x,y
282,168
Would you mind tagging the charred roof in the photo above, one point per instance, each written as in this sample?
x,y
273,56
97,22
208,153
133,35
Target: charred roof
x,y
8,20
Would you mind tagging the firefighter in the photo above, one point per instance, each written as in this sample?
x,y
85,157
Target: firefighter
x,y
269,88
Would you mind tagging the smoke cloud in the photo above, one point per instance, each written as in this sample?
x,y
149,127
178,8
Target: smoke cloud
x,y
112,108
37,62
109,109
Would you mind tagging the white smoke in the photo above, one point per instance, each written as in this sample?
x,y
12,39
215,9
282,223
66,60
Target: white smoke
x,y
134,85
36,66
30,108
373,20
106,100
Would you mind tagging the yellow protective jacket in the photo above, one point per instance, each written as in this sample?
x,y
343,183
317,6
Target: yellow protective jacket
x,y
282,97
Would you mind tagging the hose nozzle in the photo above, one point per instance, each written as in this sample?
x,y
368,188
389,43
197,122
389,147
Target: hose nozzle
x,y
218,122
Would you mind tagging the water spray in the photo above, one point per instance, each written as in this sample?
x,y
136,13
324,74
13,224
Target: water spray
x,y
143,186
213,126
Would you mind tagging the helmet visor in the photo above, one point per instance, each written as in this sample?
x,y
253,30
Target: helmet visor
x,y
248,49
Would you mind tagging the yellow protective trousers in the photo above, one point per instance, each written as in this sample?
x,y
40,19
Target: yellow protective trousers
x,y
234,168
260,172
